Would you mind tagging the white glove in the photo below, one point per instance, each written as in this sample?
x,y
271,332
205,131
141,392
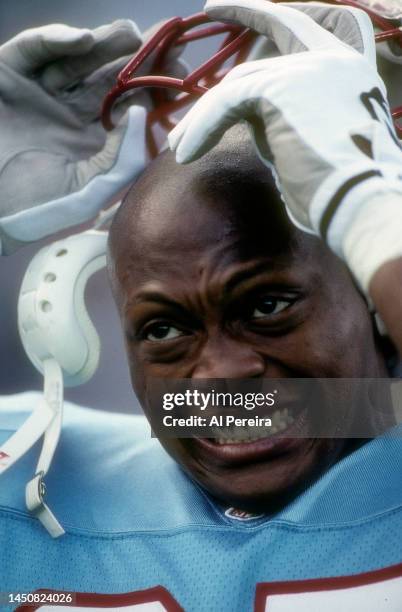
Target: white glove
x,y
348,24
58,166
319,115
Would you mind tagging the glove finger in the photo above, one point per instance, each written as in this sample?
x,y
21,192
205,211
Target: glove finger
x,y
86,99
230,101
111,41
282,24
350,25
32,49
207,121
123,155
235,74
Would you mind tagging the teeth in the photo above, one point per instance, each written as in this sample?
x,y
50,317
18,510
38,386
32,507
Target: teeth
x,y
280,420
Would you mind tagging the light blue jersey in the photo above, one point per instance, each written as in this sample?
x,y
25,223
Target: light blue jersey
x,y
141,537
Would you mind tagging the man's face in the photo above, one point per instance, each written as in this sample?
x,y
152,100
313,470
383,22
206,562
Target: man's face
x,y
206,292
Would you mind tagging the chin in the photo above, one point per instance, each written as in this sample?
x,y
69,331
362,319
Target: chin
x,y
263,498
268,486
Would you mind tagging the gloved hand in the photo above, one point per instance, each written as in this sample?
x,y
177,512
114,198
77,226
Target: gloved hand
x,y
319,115
58,167
349,24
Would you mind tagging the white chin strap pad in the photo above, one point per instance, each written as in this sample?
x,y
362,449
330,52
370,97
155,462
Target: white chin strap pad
x,y
52,318
62,343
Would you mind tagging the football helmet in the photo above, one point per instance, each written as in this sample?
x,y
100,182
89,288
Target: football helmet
x,y
386,16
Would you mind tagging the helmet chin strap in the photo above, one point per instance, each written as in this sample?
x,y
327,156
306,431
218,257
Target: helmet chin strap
x,y
46,421
61,341
35,489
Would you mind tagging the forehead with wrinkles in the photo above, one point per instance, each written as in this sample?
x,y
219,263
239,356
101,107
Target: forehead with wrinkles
x,y
176,213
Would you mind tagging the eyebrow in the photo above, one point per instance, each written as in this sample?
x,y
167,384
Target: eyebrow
x,y
238,277
154,296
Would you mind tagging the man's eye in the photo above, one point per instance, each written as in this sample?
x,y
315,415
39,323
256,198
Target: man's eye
x,y
269,306
162,331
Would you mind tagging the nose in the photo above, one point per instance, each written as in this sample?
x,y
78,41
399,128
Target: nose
x,y
223,357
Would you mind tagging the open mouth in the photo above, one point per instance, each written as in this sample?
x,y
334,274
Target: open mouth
x,y
248,443
281,420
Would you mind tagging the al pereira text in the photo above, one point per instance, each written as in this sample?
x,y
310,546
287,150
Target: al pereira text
x,y
222,420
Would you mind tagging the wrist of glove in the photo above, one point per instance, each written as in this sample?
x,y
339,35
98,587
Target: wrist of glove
x,y
341,197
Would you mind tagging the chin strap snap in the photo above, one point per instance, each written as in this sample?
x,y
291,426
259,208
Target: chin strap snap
x,y
34,494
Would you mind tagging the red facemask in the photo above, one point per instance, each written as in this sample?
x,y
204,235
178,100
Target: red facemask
x,y
236,45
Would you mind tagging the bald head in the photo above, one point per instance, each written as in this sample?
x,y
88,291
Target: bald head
x,y
227,191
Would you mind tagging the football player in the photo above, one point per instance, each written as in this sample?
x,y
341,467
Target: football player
x,y
213,280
